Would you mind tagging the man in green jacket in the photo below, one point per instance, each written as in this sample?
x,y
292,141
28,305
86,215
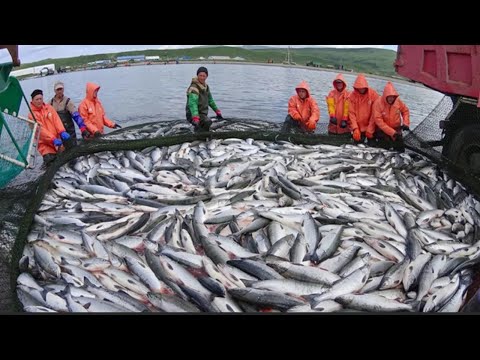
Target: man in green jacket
x,y
199,99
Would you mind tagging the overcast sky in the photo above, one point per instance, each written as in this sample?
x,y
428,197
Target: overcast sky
x,y
31,53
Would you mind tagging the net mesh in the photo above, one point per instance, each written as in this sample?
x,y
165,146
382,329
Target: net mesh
x,y
16,136
459,151
429,130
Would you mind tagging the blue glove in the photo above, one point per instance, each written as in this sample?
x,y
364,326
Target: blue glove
x,y
57,142
333,120
78,119
64,135
343,124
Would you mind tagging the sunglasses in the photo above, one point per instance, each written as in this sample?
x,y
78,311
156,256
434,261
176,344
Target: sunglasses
x,y
58,89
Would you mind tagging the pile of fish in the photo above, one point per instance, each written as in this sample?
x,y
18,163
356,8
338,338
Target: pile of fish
x,y
244,226
170,128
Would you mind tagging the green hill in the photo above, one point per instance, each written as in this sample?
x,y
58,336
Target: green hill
x,y
367,60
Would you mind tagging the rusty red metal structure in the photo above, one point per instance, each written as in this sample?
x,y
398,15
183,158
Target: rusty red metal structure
x,y
450,69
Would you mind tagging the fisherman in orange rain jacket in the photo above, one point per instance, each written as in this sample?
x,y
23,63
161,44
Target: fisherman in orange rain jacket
x,y
387,112
93,113
303,111
360,101
337,103
52,132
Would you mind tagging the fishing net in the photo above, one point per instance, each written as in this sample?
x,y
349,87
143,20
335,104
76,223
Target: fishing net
x,y
459,152
17,223
21,199
16,133
16,146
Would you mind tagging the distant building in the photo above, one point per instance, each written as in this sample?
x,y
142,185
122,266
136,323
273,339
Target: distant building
x,y
46,71
314,64
36,70
185,58
219,58
131,58
238,58
102,62
64,69
201,58
318,64
152,58
23,72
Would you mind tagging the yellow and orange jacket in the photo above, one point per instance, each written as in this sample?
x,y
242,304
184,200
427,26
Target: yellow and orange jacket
x,y
92,111
360,106
388,117
50,127
305,110
337,104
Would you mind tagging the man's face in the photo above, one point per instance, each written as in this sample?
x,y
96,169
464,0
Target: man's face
x,y
95,93
339,85
362,91
59,92
202,77
38,100
302,93
391,99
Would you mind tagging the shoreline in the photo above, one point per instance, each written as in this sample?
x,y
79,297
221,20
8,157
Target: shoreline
x,y
180,62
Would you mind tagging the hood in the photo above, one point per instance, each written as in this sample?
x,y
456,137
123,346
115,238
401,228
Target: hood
x,y
303,85
340,77
360,82
91,87
389,91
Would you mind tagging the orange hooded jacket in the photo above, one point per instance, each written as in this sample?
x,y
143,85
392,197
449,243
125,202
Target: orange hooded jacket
x,y
92,112
304,111
386,116
337,103
50,127
360,106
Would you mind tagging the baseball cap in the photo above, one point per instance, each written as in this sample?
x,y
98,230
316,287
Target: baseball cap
x,y
58,85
